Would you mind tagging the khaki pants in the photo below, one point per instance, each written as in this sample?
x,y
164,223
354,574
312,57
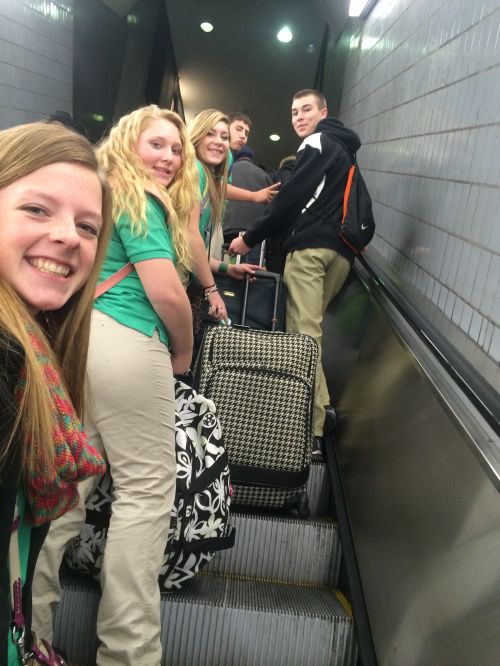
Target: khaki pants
x,y
313,277
131,419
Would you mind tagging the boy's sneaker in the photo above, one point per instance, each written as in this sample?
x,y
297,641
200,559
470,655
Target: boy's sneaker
x,y
317,449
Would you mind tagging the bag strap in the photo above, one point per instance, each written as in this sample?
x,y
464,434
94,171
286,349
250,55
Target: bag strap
x,y
347,191
113,280
47,657
18,629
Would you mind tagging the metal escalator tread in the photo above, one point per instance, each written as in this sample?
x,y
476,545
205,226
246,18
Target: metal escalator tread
x,y
281,548
220,621
273,597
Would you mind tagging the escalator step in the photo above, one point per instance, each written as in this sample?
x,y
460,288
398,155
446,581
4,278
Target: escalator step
x,y
219,621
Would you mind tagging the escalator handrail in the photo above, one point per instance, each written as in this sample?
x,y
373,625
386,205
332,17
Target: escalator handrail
x,y
482,395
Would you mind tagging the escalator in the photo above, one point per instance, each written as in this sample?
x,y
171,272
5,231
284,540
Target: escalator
x,y
418,452
415,467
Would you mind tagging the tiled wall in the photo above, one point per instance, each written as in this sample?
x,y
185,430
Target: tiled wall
x,y
422,88
36,59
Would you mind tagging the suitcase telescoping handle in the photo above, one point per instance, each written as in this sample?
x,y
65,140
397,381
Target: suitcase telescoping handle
x,y
261,275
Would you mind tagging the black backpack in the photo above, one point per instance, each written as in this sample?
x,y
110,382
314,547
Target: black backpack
x,y
357,226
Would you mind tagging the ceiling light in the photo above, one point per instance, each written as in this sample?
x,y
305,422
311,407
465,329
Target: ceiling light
x,y
357,7
310,48
274,137
285,34
97,117
206,26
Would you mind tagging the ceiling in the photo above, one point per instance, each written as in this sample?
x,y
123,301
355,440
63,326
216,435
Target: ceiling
x,y
242,66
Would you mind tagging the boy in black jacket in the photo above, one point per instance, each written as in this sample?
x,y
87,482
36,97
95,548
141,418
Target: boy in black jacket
x,y
309,208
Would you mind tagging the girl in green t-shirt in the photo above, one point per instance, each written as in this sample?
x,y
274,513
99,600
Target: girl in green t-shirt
x,y
209,134
141,336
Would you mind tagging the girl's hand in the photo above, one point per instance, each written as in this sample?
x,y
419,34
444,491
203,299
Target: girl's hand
x,y
238,271
217,309
267,194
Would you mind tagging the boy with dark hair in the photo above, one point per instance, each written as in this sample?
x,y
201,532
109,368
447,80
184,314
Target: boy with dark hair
x,y
239,130
308,209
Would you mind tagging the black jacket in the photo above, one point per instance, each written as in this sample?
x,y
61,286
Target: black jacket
x,y
309,204
11,363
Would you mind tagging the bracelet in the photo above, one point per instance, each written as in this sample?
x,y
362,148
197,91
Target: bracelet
x,y
210,286
223,267
209,293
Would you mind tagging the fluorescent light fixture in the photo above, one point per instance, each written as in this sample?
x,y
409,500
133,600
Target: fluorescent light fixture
x,y
275,137
285,34
206,26
357,7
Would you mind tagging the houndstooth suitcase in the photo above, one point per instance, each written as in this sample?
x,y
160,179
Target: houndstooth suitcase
x,y
262,383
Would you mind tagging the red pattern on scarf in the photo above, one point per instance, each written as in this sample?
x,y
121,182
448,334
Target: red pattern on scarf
x,y
51,491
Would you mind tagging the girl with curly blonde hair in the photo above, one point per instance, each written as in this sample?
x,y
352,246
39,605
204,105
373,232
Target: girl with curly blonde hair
x,y
141,336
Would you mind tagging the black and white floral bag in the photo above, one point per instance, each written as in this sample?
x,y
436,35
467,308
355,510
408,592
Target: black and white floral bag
x,y
199,524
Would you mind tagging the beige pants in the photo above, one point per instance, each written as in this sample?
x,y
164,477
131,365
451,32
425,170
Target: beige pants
x,y
131,419
313,277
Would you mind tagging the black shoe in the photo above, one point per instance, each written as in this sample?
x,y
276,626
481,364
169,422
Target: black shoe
x,y
317,450
330,420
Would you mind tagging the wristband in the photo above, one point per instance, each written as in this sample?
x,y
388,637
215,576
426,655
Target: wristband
x,y
223,267
210,286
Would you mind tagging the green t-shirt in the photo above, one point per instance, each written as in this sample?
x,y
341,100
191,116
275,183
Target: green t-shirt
x,y
127,302
205,207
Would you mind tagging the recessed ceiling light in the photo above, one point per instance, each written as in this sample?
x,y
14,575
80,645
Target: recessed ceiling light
x,y
310,48
357,7
206,26
285,34
274,137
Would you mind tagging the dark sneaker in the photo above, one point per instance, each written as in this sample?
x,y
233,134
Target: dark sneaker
x,y
330,419
317,450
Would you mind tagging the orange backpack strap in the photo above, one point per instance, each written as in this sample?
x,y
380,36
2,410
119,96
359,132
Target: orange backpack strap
x,y
347,191
112,280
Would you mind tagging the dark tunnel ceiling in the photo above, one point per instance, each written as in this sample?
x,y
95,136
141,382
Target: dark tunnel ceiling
x,y
242,66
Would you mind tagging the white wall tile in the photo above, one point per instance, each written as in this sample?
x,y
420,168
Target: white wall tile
x,y
494,350
36,60
475,325
427,100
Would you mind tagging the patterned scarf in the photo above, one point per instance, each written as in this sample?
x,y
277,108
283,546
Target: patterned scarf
x,y
52,492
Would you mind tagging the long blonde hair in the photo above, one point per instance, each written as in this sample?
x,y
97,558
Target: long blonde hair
x,y
130,179
23,150
216,178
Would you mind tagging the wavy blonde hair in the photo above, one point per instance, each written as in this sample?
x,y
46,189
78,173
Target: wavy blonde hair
x,y
216,178
23,150
130,179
